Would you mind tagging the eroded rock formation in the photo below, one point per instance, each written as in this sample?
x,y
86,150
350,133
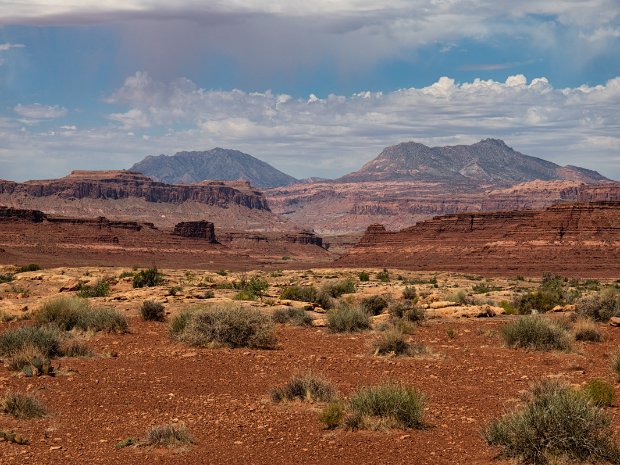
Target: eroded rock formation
x,y
198,229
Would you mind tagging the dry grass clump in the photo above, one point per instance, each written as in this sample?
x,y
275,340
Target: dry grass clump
x,y
586,330
307,387
152,311
76,349
599,307
42,340
615,364
69,313
347,318
554,422
393,342
407,311
225,325
600,392
293,316
374,304
339,288
22,405
535,332
168,436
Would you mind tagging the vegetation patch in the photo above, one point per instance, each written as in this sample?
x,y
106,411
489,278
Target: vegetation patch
x,y
599,307
77,349
100,289
394,342
6,278
168,436
69,313
555,422
383,276
22,405
363,276
586,330
307,387
347,318
600,392
407,311
535,332
152,311
225,325
29,267
293,316
39,340
339,288
374,304
150,277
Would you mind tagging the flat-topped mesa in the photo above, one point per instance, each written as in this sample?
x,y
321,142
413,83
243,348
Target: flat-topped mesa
x,y
197,229
121,184
305,237
17,214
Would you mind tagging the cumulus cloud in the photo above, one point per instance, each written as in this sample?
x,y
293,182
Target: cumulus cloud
x,y
37,111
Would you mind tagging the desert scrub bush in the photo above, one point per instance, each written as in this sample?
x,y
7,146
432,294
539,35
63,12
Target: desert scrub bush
x,y
180,322
393,342
252,287
6,278
332,414
347,318
461,298
152,311
76,349
599,307
306,387
339,288
100,289
374,304
388,405
69,313
29,267
407,311
554,422
31,361
168,436
22,405
363,276
599,392
586,330
409,293
300,293
535,332
293,316
150,277
126,274
45,341
383,276
225,325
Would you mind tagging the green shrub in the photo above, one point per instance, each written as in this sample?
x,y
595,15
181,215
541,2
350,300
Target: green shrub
x,y
332,414
29,267
407,311
307,387
409,293
389,405
586,330
126,274
393,342
600,392
554,422
346,318
6,278
230,326
152,311
599,307
22,405
31,361
461,298
383,276
300,293
45,340
168,436
535,332
100,289
339,288
374,304
68,313
251,288
148,278
292,315
179,323
245,295
363,276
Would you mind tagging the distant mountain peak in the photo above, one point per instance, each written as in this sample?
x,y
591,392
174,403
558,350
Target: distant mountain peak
x,y
489,161
188,167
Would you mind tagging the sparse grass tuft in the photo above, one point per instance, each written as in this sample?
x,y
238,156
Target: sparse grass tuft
x,y
152,311
307,387
600,392
393,342
168,436
555,422
346,318
150,277
293,316
586,330
77,349
535,332
68,313
22,405
387,405
339,288
332,414
45,341
225,325
599,307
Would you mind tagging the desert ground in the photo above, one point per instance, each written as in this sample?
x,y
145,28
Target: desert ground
x,y
99,408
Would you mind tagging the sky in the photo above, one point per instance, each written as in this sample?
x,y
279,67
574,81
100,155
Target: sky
x,y
315,88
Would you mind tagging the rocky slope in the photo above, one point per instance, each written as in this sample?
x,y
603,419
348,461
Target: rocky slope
x,y
489,161
572,239
124,195
218,163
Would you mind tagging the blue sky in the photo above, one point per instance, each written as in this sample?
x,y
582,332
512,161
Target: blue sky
x,y
315,88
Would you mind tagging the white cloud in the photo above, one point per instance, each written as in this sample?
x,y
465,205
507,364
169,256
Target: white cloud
x,y
8,46
36,111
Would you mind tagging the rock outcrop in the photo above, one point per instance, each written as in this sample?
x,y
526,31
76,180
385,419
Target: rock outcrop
x,y
198,229
573,239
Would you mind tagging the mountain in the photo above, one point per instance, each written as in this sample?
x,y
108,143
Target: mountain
x,y
217,163
489,161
